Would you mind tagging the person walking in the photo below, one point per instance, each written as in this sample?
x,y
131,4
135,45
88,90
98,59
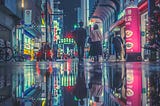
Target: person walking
x,y
80,36
117,42
95,44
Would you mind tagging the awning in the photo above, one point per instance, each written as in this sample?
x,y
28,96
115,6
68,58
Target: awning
x,y
33,32
117,24
143,6
104,8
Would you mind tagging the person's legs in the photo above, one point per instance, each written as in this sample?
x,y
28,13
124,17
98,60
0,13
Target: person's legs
x,y
97,58
82,51
119,54
116,55
79,52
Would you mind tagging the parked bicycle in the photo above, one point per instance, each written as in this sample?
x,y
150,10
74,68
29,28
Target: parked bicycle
x,y
6,53
17,56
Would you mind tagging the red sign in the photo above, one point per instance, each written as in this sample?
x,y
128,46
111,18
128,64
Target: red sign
x,y
132,21
134,87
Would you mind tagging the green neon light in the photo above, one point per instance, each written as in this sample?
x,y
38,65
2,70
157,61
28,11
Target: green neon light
x,y
121,14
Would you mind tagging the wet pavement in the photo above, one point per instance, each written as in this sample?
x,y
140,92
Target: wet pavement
x,y
70,83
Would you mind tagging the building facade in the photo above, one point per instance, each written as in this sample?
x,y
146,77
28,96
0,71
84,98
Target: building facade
x,y
10,14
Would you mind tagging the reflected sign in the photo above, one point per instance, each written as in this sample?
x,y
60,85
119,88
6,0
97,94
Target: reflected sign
x,y
134,87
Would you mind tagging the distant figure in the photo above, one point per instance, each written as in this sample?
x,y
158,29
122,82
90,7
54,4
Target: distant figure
x,y
96,43
80,38
45,49
54,51
117,42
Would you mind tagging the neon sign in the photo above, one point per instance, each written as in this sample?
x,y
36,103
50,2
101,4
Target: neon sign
x,y
132,21
139,1
121,14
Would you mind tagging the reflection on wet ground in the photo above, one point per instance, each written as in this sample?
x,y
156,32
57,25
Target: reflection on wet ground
x,y
69,83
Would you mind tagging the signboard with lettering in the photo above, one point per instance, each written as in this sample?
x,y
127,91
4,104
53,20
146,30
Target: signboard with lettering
x,y
66,41
28,17
132,22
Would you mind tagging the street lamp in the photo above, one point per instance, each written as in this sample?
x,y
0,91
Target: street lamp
x,y
22,5
22,22
47,74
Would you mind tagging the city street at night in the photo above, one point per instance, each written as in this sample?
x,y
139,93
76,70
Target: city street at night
x,y
79,52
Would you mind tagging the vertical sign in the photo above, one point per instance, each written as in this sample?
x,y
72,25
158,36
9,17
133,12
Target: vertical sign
x,y
132,21
28,17
134,86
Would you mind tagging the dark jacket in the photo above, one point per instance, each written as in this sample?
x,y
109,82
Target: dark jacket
x,y
117,41
80,35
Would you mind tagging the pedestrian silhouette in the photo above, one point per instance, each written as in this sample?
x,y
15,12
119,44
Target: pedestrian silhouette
x,y
80,36
117,42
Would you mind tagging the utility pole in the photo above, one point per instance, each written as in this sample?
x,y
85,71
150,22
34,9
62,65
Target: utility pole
x,y
46,19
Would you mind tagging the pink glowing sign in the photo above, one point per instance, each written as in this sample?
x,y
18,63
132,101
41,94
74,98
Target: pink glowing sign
x,y
132,22
134,87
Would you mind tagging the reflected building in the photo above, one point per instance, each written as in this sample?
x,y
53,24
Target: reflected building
x,y
6,84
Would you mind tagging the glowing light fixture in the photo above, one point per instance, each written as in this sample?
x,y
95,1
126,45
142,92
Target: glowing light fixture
x,y
22,4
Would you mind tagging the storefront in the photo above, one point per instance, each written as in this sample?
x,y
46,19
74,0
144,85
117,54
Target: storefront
x,y
17,40
143,8
144,34
119,26
28,46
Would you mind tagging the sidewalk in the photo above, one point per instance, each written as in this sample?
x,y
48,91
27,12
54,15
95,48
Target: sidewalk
x,y
112,58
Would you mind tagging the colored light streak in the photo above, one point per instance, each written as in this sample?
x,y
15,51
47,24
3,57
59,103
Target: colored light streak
x,y
22,5
134,87
38,69
50,69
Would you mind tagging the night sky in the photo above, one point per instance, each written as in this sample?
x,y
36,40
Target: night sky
x,y
70,15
